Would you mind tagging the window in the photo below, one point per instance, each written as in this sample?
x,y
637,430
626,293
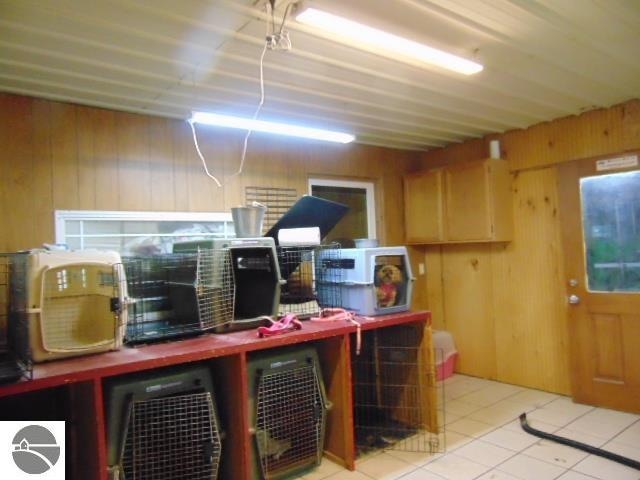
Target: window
x,y
360,221
611,223
134,233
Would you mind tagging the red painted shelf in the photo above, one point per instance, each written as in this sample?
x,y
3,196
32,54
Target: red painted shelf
x,y
84,375
144,357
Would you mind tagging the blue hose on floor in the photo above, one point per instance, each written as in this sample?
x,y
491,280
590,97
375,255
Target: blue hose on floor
x,y
579,445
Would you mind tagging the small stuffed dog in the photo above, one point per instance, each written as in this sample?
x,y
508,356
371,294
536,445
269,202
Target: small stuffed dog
x,y
389,276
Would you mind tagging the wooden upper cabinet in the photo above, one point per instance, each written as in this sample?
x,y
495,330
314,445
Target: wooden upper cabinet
x,y
423,211
468,202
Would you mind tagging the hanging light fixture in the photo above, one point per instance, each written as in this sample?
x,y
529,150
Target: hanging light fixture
x,y
378,41
255,125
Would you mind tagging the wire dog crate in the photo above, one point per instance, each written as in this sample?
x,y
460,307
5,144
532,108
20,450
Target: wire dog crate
x,y
255,274
164,426
395,392
179,294
15,357
311,282
288,408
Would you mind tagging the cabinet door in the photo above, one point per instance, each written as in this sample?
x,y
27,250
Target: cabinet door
x,y
468,202
423,207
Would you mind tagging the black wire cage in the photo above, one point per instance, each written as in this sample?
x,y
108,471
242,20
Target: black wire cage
x,y
163,425
15,357
311,280
287,412
178,294
395,391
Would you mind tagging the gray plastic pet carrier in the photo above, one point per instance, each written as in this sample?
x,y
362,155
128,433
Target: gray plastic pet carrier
x,y
163,425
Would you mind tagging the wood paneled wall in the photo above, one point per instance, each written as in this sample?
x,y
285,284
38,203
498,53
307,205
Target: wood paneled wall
x,y
62,156
506,303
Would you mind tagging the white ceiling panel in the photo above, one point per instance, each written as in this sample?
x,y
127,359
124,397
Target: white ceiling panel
x,y
543,59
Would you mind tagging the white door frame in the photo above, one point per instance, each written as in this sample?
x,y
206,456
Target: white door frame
x,y
369,187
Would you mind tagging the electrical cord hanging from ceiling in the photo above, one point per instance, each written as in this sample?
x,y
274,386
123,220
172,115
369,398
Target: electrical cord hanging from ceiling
x,y
273,41
279,40
255,115
204,162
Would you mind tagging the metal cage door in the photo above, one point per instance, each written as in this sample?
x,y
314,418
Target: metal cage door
x,y
172,438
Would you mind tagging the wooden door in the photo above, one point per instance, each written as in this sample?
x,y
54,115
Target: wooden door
x,y
600,213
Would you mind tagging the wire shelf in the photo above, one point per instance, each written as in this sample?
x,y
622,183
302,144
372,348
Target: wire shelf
x,y
170,438
396,403
311,283
179,293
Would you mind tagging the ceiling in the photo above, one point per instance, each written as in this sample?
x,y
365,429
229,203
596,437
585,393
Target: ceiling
x,y
543,59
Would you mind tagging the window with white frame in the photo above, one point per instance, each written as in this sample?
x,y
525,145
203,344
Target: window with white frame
x,y
135,233
359,196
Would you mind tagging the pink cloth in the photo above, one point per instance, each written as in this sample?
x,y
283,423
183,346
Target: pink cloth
x,y
387,294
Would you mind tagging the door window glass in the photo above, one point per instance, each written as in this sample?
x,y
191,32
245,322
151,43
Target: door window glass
x,y
611,224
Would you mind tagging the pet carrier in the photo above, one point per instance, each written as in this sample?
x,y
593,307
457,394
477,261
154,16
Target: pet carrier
x,y
72,303
311,281
15,362
287,412
178,294
163,425
256,278
373,281
395,391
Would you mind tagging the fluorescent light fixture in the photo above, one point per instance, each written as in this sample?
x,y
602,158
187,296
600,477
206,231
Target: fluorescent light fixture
x,y
378,41
270,127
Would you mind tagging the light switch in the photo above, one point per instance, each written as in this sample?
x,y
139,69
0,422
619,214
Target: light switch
x,y
421,269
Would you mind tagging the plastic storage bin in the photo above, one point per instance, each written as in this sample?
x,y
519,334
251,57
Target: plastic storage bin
x,y
373,281
446,354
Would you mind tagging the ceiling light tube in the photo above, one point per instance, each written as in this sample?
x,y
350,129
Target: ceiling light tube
x,y
378,41
270,127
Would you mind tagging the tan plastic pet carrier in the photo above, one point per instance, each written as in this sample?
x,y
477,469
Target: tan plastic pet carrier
x,y
73,303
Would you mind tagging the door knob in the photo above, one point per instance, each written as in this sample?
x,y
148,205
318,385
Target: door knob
x,y
574,299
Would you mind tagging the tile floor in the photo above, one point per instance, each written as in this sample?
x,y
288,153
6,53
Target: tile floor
x,y
484,440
